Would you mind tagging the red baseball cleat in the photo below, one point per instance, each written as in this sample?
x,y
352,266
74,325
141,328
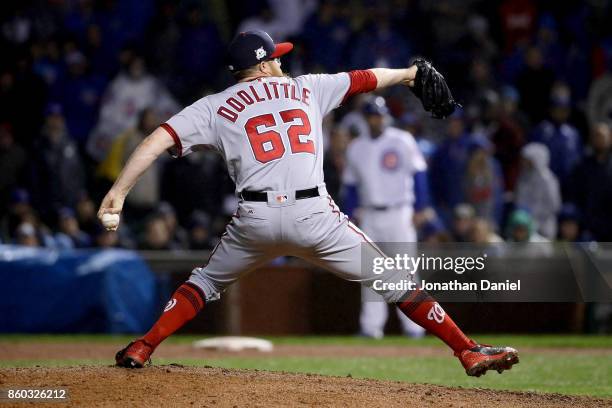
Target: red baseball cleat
x,y
480,358
135,355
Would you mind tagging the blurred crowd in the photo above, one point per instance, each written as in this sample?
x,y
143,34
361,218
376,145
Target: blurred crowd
x,y
82,82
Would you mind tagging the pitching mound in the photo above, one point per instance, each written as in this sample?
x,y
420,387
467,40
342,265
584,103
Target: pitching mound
x,y
175,385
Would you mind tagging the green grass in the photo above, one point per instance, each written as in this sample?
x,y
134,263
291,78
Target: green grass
x,y
516,340
567,373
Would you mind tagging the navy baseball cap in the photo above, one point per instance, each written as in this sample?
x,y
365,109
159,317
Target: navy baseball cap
x,y
376,106
252,47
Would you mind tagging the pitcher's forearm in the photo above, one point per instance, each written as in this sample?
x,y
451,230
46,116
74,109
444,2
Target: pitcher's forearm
x,y
141,159
388,77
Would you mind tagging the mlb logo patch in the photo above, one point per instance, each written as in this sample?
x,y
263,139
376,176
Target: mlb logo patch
x,y
390,160
281,198
260,53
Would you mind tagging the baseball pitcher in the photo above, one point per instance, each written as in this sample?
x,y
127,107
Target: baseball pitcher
x,y
267,127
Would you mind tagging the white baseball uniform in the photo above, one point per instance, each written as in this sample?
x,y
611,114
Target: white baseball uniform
x,y
269,132
383,170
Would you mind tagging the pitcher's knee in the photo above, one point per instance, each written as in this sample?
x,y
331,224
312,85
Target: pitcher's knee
x,y
394,296
211,287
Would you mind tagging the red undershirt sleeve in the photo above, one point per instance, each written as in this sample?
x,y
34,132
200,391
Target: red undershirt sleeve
x,y
362,81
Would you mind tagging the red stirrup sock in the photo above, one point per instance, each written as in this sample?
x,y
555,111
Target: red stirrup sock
x,y
183,306
427,313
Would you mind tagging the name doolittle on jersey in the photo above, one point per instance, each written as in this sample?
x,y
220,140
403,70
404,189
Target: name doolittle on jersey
x,y
261,91
454,285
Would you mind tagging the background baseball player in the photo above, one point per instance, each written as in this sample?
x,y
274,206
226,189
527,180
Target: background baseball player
x,y
268,129
384,169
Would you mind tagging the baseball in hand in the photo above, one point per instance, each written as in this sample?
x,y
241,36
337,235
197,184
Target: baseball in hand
x,y
110,221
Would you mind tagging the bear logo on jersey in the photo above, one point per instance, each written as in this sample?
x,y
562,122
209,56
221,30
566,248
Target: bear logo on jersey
x,y
390,160
260,53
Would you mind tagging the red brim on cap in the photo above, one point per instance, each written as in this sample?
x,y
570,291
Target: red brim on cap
x,y
281,49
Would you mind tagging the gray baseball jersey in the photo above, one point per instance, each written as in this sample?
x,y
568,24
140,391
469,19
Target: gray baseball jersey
x,y
269,131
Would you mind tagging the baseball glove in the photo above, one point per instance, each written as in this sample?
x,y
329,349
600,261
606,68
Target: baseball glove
x,y
431,88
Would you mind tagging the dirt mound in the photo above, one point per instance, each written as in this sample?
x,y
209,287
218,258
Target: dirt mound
x,y
175,385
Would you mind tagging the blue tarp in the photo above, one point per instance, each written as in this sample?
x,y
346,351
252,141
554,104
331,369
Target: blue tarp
x,y
51,291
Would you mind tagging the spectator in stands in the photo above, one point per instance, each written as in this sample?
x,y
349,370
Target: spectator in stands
x,y
518,21
509,107
433,232
561,138
335,160
199,52
412,122
118,21
22,97
463,219
22,219
265,20
528,244
58,173
448,166
521,228
354,120
106,239
379,44
164,34
145,194
599,104
86,214
76,18
483,182
199,231
100,51
538,190
508,136
79,92
479,40
480,86
12,164
156,235
70,234
178,236
121,238
483,233
569,224
447,27
8,110
326,26
17,207
204,175
293,14
26,235
534,84
132,91
482,112
547,40
46,60
592,184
